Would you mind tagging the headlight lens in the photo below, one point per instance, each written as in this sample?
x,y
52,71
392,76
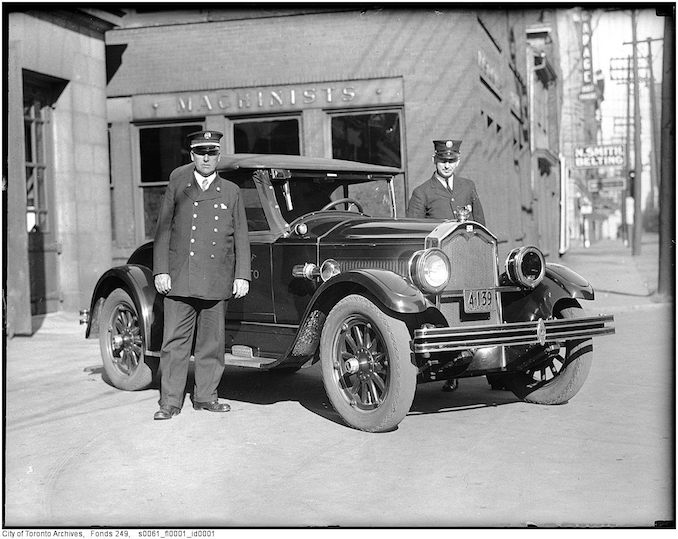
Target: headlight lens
x,y
329,269
525,266
430,270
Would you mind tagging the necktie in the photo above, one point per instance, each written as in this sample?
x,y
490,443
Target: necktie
x,y
205,185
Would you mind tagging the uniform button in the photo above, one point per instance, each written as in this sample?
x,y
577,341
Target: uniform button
x,y
193,227
216,205
216,230
218,188
195,203
211,256
192,253
216,217
192,240
214,243
195,215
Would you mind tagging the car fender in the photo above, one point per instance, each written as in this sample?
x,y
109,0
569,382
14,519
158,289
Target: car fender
x,y
559,284
569,280
137,281
389,289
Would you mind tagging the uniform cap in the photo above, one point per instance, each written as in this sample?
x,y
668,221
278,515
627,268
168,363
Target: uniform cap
x,y
205,139
447,149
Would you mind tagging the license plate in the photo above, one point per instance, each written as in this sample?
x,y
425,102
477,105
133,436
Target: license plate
x,y
478,301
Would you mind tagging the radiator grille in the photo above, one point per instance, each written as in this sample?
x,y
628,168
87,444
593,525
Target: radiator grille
x,y
473,262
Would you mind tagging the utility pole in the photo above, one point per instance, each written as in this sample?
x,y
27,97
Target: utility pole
x,y
637,158
667,188
625,192
653,118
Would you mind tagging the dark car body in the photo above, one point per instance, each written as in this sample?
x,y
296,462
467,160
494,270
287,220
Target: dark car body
x,y
384,302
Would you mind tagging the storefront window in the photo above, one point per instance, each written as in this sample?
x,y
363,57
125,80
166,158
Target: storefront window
x,y
161,149
267,136
369,137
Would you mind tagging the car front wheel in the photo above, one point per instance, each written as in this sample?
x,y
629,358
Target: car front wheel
x,y
561,375
367,367
121,343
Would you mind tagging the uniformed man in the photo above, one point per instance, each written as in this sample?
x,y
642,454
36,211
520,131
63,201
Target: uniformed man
x,y
201,258
445,195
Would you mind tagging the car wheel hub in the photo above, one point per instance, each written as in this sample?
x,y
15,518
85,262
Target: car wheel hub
x,y
361,371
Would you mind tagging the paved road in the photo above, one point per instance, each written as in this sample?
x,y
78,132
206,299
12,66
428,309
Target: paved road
x,y
80,453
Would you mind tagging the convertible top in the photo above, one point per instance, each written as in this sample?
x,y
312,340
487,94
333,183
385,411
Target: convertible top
x,y
298,162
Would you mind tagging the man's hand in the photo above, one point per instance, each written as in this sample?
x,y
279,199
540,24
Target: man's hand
x,y
163,283
240,288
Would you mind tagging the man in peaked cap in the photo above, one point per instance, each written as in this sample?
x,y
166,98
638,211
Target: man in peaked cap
x,y
446,196
201,259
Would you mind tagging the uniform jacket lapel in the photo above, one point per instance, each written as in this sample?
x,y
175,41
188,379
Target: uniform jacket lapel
x,y
195,193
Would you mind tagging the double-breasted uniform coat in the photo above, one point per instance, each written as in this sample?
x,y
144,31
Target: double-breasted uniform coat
x,y
434,201
201,241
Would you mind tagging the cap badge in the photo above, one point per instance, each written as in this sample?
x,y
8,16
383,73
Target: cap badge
x,y
448,144
208,135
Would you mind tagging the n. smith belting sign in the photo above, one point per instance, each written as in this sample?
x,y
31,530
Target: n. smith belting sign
x,y
594,156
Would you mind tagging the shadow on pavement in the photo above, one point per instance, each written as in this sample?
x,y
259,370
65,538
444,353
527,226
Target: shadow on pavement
x,y
306,387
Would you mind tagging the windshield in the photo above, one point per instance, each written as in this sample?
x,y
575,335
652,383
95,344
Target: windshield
x,y
311,195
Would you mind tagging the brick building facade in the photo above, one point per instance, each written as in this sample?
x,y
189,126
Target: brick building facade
x,y
436,73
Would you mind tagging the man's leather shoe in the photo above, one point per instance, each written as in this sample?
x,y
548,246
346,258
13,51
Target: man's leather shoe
x,y
167,412
215,406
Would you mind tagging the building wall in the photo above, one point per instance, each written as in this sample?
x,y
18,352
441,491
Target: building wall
x,y
434,58
73,53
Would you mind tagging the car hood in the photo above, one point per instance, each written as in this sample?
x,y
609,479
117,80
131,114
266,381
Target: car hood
x,y
330,229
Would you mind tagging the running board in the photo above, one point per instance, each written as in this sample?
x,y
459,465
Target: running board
x,y
251,362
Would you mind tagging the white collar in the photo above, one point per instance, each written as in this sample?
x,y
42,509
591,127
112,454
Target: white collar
x,y
449,182
199,178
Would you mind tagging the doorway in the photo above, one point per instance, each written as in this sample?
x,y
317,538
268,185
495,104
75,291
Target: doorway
x,y
40,94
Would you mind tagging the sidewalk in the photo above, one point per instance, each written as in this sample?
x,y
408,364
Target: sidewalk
x,y
621,281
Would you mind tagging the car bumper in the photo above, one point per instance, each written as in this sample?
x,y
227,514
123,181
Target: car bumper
x,y
431,340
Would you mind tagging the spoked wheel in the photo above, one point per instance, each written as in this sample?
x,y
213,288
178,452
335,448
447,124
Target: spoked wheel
x,y
561,375
366,363
121,343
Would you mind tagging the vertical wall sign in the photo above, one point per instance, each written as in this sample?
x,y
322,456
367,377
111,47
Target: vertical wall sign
x,y
588,89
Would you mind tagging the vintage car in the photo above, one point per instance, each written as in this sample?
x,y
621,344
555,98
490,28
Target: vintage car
x,y
383,302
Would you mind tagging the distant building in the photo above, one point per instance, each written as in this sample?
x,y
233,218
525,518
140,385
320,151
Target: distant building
x,y
580,120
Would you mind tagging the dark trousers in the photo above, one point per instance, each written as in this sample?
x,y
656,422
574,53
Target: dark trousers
x,y
184,318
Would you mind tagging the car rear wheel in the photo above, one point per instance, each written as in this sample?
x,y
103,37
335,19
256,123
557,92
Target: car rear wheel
x,y
121,343
366,364
561,375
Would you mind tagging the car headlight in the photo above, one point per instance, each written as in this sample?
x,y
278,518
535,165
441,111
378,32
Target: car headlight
x,y
329,269
525,266
430,270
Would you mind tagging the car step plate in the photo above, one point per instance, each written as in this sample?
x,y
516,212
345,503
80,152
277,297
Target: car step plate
x,y
251,362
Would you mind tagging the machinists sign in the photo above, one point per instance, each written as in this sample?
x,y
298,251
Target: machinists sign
x,y
269,99
594,156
